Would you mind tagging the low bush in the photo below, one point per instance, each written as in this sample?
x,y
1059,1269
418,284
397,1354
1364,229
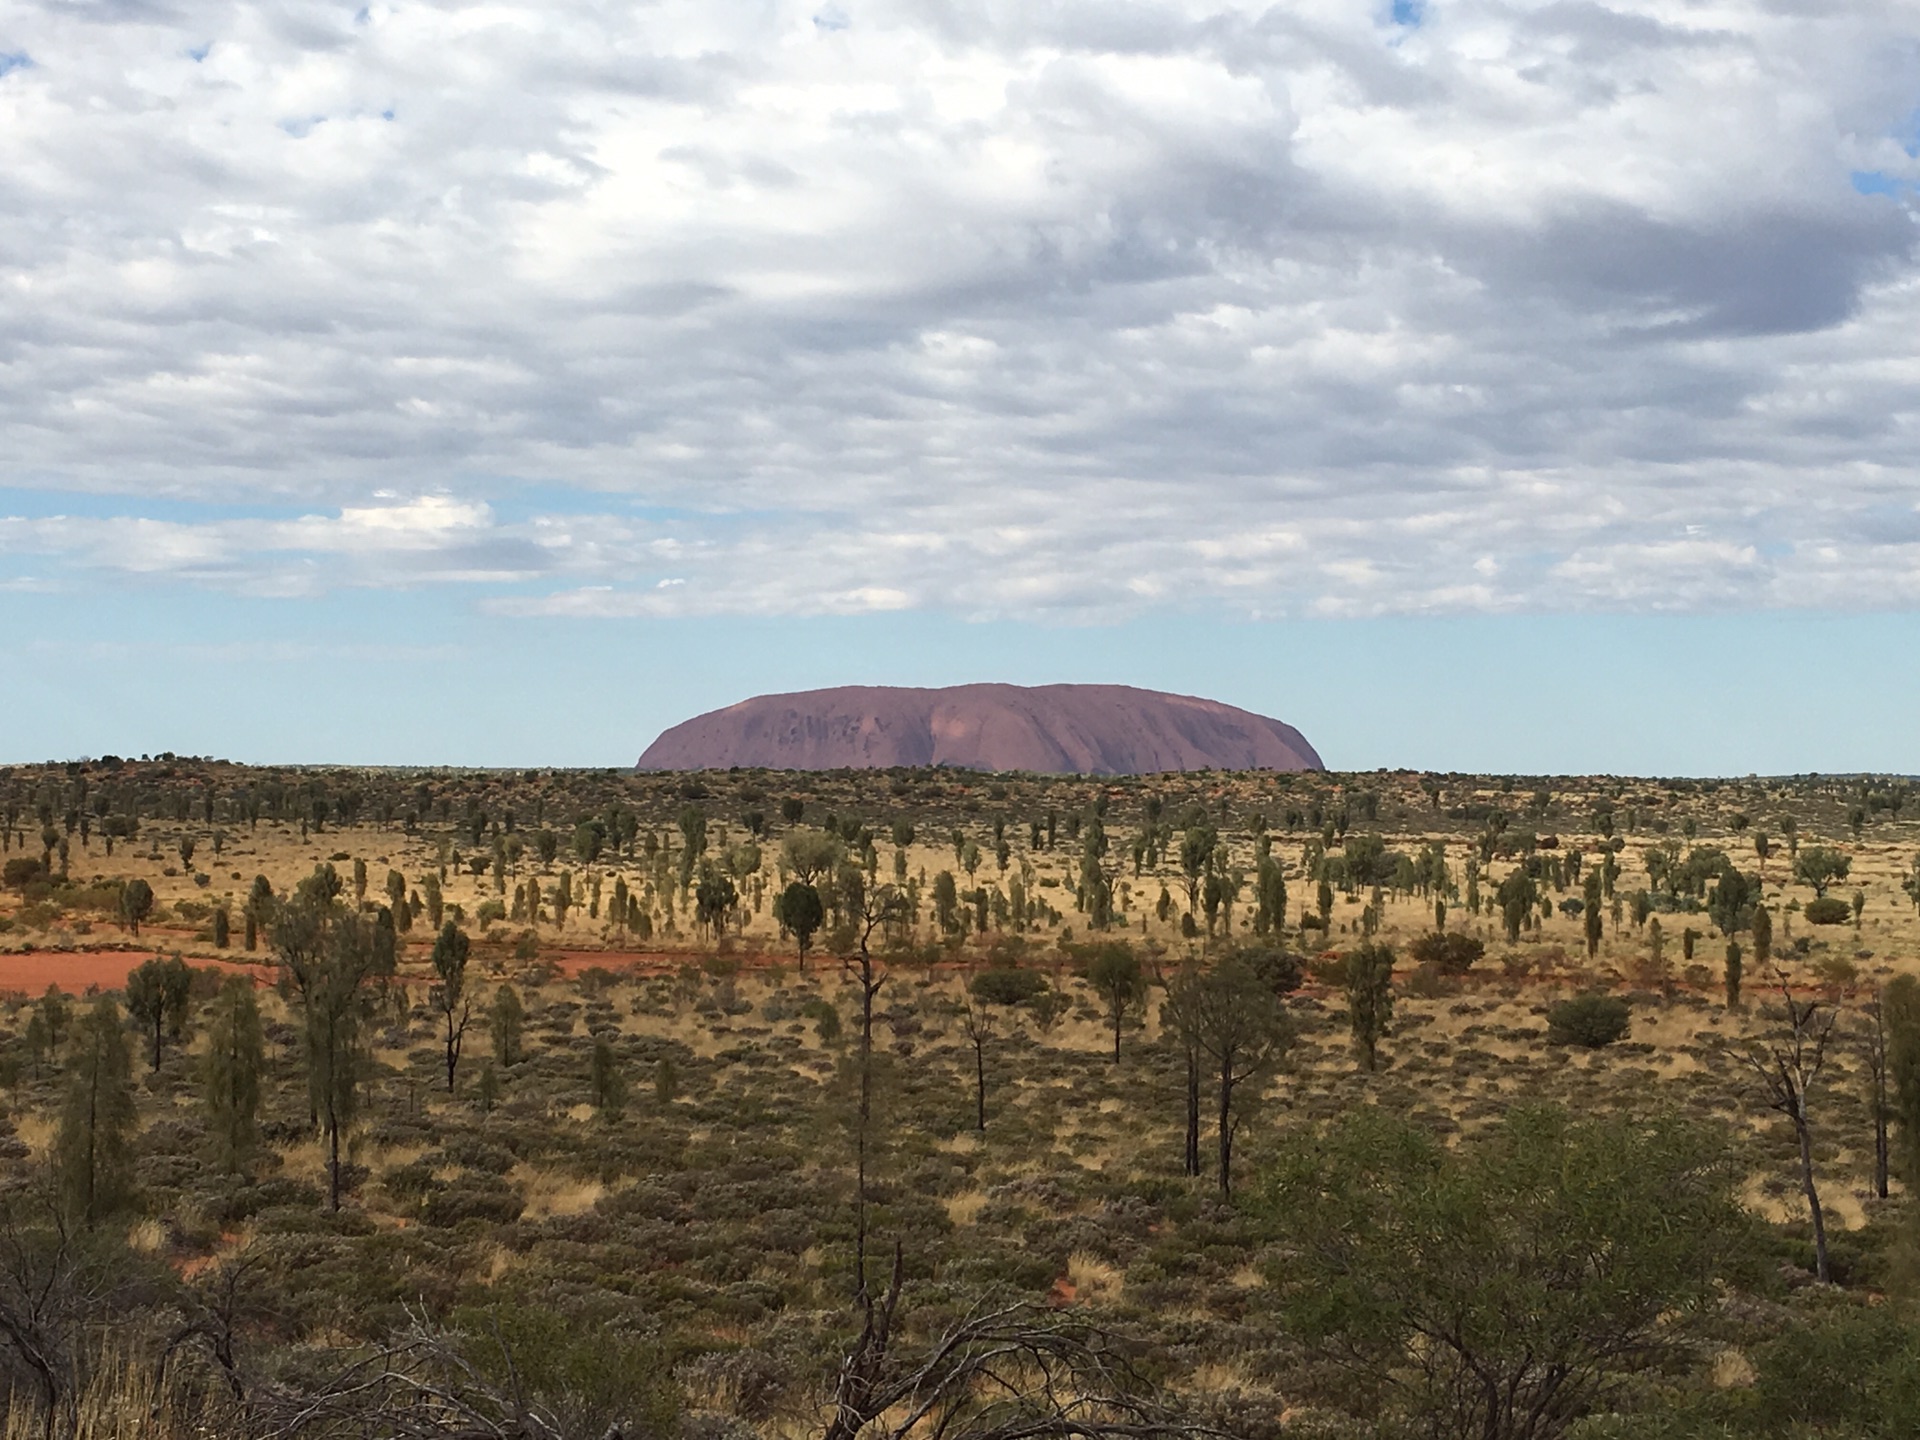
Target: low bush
x,y
1449,952
1008,986
1592,1021
1828,911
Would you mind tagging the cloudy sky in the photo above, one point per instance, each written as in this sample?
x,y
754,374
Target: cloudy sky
x,y
1473,383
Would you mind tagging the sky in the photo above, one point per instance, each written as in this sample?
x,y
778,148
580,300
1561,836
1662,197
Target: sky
x,y
1473,384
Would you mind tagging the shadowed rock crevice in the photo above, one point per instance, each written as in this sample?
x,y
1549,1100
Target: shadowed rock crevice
x,y
1049,729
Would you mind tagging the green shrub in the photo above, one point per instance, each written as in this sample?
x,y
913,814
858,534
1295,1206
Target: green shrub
x,y
1592,1021
1828,911
1008,986
1451,953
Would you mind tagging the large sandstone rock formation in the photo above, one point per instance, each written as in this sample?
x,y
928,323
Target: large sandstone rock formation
x,y
1055,729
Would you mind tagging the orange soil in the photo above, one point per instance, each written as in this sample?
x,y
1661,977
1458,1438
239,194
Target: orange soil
x,y
30,972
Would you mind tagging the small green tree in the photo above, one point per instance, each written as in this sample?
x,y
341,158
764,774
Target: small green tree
x,y
136,903
1370,999
1590,1021
798,911
1502,1289
506,1021
1114,972
93,1145
1820,866
449,997
1735,966
609,1085
159,993
230,1074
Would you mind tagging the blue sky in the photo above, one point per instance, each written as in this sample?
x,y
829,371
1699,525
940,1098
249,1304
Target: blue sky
x,y
1474,386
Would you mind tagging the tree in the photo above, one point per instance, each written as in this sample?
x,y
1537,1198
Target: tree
x,y
811,855
136,903
1370,999
449,997
1197,845
1735,968
977,1020
93,1146
1732,901
1114,973
259,909
1590,1021
158,995
946,902
1762,936
714,899
1820,866
1269,897
1900,1010
506,1021
1517,896
55,1012
230,1074
1879,1098
798,911
1788,1067
609,1085
331,959
1502,1289
1243,1028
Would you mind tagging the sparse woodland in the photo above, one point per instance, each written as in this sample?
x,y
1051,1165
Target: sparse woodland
x,y
588,1104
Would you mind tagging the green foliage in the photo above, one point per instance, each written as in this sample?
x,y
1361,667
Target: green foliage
x,y
1370,999
608,1085
93,1145
1591,1021
1827,910
1113,970
1819,866
1500,1290
798,911
1008,985
136,903
587,1379
231,1073
1449,952
158,995
506,1021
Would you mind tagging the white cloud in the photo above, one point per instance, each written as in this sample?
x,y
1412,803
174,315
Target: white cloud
x,y
1049,309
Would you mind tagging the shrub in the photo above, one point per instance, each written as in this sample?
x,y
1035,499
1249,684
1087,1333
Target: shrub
x,y
1828,911
1592,1021
1008,986
1451,953
25,868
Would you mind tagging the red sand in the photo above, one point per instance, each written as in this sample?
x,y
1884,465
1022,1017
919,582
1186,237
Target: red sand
x,y
77,971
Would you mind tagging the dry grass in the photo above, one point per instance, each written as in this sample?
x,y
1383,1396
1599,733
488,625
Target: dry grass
x,y
549,1192
962,1208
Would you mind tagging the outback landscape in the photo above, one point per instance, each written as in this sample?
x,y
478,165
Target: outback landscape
x,y
939,1102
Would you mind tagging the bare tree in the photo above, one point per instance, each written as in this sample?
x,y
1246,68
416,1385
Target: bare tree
x,y
1878,1100
872,909
1001,1372
978,1023
1789,1067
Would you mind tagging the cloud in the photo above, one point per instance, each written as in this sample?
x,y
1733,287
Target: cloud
x,y
1064,310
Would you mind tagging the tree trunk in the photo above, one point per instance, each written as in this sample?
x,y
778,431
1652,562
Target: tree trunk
x,y
333,1163
1805,1131
980,1086
1226,1126
1116,1034
1193,1111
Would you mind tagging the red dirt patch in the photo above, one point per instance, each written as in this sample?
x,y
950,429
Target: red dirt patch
x,y
30,972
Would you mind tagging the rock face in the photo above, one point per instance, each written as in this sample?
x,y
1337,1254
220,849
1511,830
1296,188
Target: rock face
x,y
1050,729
